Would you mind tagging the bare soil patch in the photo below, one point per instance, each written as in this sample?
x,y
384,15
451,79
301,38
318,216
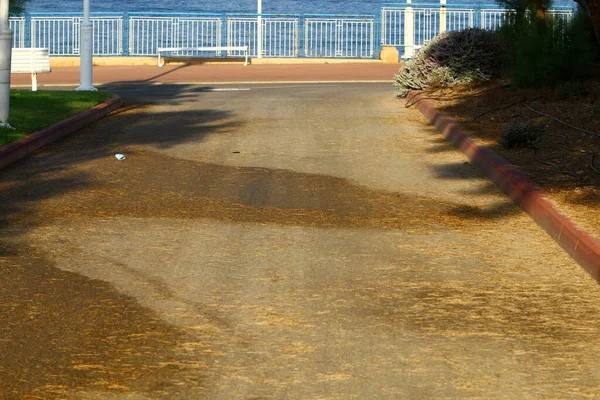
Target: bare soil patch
x,y
565,162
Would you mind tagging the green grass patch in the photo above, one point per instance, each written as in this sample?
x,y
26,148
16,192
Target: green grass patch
x,y
33,111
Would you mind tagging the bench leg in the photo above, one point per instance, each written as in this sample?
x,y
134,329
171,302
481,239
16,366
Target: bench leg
x,y
246,63
34,82
160,63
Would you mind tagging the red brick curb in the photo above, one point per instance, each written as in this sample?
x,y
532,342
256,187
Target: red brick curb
x,y
17,150
583,248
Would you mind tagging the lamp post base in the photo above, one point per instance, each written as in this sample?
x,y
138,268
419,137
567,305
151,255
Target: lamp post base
x,y
86,63
88,88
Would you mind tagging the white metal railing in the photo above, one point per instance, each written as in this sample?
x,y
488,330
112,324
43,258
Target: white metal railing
x,y
409,25
457,19
562,15
493,18
392,26
60,34
148,33
427,24
108,35
412,25
243,32
279,35
339,37
144,33
17,24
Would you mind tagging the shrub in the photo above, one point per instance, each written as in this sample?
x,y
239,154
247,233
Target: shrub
x,y
521,134
453,58
547,52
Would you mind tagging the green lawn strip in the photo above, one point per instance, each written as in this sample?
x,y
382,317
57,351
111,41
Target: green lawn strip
x,y
33,111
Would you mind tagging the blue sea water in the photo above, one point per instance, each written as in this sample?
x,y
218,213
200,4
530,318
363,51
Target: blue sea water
x,y
234,6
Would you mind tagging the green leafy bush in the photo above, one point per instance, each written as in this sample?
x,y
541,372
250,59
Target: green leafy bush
x,y
453,58
521,134
547,52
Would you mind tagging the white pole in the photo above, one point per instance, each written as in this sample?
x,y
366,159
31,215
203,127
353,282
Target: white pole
x,y
86,48
409,31
259,43
5,57
443,16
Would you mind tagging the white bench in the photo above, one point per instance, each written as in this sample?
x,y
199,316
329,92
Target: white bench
x,y
217,48
30,61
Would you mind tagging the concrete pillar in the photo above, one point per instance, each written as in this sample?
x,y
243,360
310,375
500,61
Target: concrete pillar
x,y
5,59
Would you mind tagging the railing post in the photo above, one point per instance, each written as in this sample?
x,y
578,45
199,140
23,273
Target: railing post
x,y
130,34
125,33
300,36
224,37
443,16
409,31
375,38
477,20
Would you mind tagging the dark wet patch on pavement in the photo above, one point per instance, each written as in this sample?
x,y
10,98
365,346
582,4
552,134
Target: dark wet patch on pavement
x,y
153,185
63,333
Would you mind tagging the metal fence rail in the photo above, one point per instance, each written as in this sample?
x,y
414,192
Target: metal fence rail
x,y
147,33
493,18
279,35
60,34
17,24
339,37
243,31
141,34
427,24
411,25
405,25
392,26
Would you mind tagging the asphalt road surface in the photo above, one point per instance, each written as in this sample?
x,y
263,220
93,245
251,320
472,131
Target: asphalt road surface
x,y
279,241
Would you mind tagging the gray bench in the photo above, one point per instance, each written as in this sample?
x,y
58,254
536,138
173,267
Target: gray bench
x,y
30,61
217,48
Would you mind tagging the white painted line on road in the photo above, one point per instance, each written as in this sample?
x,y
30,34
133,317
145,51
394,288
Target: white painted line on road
x,y
298,86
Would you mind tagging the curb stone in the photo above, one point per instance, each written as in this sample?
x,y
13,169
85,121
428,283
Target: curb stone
x,y
15,151
581,246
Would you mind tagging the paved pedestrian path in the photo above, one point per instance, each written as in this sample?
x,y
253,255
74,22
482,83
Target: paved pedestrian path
x,y
281,241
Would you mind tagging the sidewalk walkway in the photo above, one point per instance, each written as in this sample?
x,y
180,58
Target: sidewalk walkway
x,y
215,73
